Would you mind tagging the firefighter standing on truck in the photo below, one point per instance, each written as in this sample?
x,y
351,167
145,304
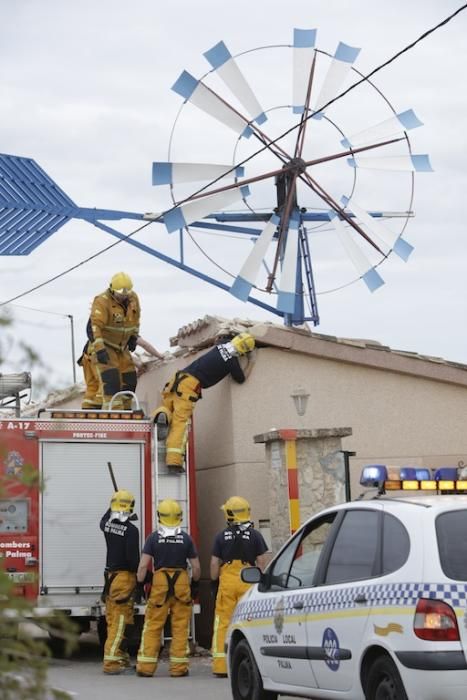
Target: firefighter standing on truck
x,y
92,398
115,318
170,549
184,388
237,546
122,540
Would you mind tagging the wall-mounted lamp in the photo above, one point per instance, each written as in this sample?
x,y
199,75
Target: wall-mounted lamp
x,y
300,398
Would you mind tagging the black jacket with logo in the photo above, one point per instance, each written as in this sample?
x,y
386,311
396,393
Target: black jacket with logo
x,y
122,541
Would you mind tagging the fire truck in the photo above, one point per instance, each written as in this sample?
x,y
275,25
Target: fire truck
x,y
54,488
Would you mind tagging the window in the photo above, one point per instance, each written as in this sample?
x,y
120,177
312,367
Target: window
x,y
354,553
295,567
452,543
396,544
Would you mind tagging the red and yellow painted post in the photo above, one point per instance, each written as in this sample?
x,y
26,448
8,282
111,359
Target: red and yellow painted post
x,y
289,435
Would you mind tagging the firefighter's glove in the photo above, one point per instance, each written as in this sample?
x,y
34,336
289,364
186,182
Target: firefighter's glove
x,y
131,345
103,357
194,587
139,594
214,588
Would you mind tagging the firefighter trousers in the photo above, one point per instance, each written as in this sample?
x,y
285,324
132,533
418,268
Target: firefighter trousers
x,y
178,401
92,396
231,589
118,614
170,593
119,374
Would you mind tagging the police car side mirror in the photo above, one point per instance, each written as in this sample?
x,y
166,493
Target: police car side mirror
x,y
251,574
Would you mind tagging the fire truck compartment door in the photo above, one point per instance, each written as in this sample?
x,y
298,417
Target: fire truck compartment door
x,y
76,494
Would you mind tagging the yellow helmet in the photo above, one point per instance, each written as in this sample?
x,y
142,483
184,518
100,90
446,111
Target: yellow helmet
x,y
236,510
122,502
169,513
121,283
243,343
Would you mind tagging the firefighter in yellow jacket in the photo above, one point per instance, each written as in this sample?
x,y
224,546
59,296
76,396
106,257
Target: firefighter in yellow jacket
x,y
114,321
237,546
122,540
183,390
170,549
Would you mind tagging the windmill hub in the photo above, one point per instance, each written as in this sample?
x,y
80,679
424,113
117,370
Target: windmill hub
x,y
296,165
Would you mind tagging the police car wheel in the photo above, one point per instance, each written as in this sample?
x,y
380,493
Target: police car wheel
x,y
245,677
384,681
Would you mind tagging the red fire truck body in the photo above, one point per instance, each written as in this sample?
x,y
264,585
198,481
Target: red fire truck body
x,y
54,488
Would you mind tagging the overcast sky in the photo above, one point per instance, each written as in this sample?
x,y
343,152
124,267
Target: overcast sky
x,y
86,92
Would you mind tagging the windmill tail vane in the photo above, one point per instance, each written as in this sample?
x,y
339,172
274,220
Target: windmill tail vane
x,y
33,207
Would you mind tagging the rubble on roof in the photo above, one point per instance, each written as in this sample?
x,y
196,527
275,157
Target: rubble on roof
x,y
206,331
144,361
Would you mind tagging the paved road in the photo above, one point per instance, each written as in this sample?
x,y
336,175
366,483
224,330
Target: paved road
x,y
82,677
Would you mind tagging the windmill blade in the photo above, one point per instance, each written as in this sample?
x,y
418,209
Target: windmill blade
x,y
169,173
287,285
402,249
32,206
248,274
340,66
367,272
404,121
379,232
194,91
226,67
303,54
182,216
410,163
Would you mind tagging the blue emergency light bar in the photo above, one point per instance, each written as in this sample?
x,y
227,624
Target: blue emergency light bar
x,y
389,478
374,475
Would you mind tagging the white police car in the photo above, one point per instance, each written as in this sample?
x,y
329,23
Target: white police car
x,y
367,600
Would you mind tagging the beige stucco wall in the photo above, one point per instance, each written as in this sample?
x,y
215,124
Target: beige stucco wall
x,y
396,418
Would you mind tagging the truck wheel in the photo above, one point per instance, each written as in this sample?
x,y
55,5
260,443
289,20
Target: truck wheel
x,y
384,681
102,632
58,647
245,677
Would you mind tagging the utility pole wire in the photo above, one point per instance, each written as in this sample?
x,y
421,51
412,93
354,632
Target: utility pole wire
x,y
253,155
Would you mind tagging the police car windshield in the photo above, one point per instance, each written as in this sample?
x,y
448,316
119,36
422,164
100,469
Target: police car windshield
x,y
451,528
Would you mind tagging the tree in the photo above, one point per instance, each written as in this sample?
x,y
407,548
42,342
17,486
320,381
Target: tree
x,y
24,657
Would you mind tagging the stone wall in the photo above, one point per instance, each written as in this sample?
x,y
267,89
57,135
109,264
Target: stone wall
x,y
306,474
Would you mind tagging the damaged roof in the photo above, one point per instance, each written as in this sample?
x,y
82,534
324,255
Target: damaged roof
x,y
206,331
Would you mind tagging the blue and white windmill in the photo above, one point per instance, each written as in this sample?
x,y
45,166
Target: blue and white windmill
x,y
304,186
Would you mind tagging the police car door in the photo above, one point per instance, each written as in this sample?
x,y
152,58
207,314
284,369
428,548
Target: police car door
x,y
285,657
340,605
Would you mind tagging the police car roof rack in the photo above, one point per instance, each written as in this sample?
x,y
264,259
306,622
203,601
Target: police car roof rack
x,y
439,481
